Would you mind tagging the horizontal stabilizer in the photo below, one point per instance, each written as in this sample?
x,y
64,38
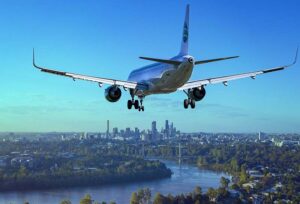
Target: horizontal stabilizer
x,y
174,62
214,60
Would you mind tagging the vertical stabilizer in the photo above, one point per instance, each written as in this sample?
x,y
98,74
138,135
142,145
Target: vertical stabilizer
x,y
185,35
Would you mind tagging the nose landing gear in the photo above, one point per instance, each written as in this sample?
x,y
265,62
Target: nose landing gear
x,y
141,107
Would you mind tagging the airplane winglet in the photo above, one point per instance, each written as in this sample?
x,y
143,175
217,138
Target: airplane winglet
x,y
296,56
33,60
34,64
295,59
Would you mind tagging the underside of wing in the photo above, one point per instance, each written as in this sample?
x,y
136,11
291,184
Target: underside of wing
x,y
126,84
225,79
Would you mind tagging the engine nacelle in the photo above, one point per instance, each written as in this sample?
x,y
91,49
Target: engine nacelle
x,y
197,93
113,93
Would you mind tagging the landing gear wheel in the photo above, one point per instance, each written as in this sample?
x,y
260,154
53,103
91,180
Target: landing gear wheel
x,y
139,108
142,108
186,103
193,104
129,104
136,104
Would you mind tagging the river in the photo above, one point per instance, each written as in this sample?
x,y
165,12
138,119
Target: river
x,y
183,180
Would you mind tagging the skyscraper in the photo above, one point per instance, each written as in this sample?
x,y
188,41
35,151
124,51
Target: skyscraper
x,y
107,129
167,130
167,125
127,132
171,131
136,132
115,131
153,130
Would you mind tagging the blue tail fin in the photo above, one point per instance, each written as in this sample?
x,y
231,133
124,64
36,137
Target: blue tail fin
x,y
185,35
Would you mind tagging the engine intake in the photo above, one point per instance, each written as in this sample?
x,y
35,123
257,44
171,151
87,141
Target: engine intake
x,y
113,93
197,94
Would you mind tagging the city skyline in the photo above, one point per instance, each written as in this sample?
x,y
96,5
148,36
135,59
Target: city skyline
x,y
159,126
106,39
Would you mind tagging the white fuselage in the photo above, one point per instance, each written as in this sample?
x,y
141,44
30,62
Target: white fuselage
x,y
162,78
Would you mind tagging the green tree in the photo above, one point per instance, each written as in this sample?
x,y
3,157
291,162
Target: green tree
x,y
224,182
87,199
234,186
243,176
171,198
234,165
212,194
148,195
222,192
141,195
248,189
134,198
22,172
197,193
198,190
202,161
65,202
159,199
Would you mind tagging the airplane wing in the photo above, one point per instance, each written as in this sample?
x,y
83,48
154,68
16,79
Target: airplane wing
x,y
126,84
225,79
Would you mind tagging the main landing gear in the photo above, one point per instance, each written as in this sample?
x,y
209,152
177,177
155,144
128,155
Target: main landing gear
x,y
188,102
137,104
134,103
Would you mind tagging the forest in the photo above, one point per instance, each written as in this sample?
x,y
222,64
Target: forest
x,y
31,165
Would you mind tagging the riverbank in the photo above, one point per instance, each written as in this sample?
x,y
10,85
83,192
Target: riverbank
x,y
215,168
132,171
183,180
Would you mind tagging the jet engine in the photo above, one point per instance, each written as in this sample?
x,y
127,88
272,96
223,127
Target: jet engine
x,y
113,93
197,93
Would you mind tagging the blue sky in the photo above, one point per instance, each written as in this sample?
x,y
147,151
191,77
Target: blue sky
x,y
105,38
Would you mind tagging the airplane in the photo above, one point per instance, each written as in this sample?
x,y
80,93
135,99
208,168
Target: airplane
x,y
164,76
